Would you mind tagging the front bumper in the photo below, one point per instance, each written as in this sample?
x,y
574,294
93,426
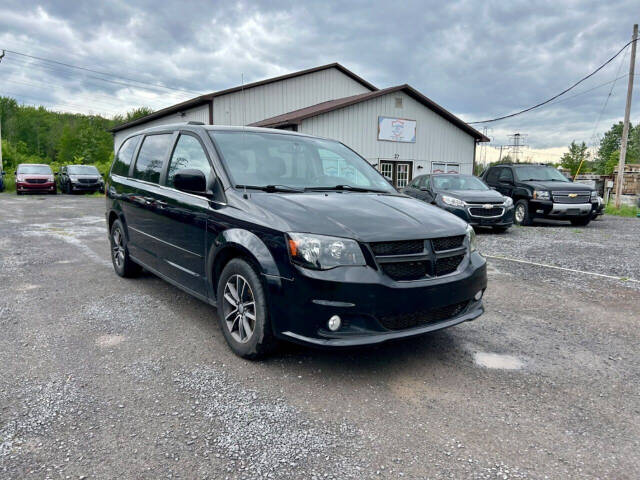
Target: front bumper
x,y
549,209
87,187
503,220
365,299
35,187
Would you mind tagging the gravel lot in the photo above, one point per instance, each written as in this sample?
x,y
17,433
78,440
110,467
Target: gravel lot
x,y
103,377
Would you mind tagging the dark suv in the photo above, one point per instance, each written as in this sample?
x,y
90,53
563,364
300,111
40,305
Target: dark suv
x,y
80,178
291,237
541,191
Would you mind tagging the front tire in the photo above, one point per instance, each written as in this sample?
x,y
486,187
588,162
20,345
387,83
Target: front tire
x,y
581,221
242,310
521,214
122,263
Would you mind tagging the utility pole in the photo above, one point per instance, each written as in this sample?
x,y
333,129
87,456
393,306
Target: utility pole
x,y
627,113
516,145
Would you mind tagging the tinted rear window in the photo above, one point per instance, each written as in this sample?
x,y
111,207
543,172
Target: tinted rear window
x,y
123,158
151,156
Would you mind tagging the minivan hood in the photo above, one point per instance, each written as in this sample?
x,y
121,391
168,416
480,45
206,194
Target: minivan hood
x,y
560,186
475,196
364,216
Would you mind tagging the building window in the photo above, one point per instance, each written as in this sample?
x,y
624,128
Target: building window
x,y
441,167
398,102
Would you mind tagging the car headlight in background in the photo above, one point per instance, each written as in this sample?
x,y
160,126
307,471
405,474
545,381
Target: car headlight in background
x,y
20,178
508,202
541,194
594,196
471,236
321,252
454,202
51,178
73,178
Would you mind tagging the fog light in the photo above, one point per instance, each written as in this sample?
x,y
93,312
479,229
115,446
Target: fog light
x,y
478,295
334,323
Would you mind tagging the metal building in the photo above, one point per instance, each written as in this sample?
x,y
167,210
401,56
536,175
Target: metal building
x,y
397,129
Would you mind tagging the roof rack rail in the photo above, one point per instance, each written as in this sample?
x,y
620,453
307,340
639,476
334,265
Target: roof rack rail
x,y
193,122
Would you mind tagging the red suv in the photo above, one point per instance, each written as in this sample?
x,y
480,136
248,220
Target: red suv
x,y
34,177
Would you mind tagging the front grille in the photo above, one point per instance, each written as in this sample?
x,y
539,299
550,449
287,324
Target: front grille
x,y
422,317
87,180
564,197
36,180
403,247
447,243
447,265
403,271
486,212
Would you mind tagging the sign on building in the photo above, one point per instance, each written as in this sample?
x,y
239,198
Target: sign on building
x,y
396,129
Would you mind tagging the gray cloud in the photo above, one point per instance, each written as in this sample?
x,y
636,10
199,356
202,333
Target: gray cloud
x,y
477,59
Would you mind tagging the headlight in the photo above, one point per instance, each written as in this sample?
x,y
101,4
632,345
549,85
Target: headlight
x,y
454,202
471,236
73,178
594,196
541,194
51,178
20,178
508,202
321,252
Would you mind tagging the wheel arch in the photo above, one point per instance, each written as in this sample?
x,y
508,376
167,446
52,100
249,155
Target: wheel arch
x,y
240,243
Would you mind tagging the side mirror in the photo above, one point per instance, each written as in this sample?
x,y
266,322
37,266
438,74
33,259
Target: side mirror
x,y
190,180
424,189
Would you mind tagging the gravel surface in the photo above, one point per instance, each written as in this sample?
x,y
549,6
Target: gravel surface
x,y
103,377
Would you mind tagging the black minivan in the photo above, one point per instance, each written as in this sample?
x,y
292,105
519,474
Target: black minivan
x,y
291,236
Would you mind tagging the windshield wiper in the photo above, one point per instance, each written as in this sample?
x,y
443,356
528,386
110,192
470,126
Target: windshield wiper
x,y
272,188
347,187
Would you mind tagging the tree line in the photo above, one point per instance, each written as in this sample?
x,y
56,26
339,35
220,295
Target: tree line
x,y
37,135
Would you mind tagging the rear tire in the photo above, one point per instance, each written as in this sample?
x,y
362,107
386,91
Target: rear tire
x,y
242,311
521,214
581,221
122,263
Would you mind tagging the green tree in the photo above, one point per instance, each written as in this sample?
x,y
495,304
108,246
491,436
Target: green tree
x,y
576,156
610,144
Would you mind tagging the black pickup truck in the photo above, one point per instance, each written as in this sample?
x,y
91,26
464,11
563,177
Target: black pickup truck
x,y
541,191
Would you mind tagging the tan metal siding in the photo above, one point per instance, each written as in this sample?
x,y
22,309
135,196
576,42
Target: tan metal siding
x,y
437,140
196,114
284,96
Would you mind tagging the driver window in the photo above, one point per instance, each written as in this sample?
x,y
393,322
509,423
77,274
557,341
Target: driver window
x,y
505,175
188,154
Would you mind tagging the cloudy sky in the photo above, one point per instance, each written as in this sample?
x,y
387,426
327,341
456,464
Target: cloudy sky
x,y
477,59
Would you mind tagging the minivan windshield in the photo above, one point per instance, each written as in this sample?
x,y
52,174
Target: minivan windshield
x,y
82,170
294,163
541,173
457,182
35,169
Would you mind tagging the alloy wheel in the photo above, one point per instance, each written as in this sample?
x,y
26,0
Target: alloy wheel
x,y
239,308
117,248
519,213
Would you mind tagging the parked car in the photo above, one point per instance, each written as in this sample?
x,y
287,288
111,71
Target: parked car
x,y
466,196
541,191
80,178
34,177
291,236
2,173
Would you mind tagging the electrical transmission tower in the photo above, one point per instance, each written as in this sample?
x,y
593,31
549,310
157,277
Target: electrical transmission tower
x,y
516,145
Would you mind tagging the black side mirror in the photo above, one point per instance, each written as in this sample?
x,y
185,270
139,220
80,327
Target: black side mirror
x,y
424,189
190,180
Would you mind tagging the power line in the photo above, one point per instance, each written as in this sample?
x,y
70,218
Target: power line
x,y
559,94
68,65
57,70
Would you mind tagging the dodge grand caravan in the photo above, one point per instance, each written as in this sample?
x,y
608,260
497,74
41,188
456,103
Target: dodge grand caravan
x,y
292,237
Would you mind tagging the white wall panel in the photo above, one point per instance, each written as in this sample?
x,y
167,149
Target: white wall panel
x,y
437,139
284,96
